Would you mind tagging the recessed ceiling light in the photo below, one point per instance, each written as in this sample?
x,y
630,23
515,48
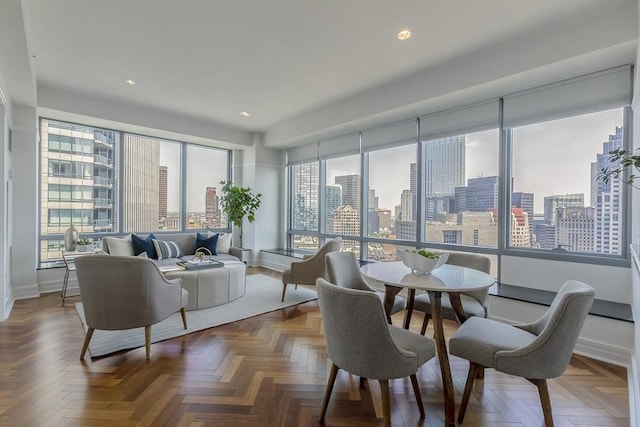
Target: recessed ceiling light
x,y
403,35
129,82
245,113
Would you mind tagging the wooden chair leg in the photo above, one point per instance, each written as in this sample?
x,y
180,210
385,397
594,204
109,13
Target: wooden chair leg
x,y
543,391
471,376
284,290
386,404
184,317
416,391
327,392
85,345
147,340
425,322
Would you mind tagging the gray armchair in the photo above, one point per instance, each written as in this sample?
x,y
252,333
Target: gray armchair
x,y
343,270
536,351
125,292
306,272
360,341
474,303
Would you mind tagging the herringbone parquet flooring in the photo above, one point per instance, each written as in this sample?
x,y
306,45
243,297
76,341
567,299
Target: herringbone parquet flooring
x,y
265,371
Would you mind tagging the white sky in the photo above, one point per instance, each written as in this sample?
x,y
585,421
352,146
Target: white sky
x,y
206,168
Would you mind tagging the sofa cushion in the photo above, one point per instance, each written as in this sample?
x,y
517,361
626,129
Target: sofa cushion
x,y
224,243
167,249
144,245
208,243
118,246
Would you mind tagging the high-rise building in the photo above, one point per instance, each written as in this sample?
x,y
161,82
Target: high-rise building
x,y
481,194
610,210
524,201
212,208
472,228
77,182
350,189
373,221
333,200
162,192
445,165
552,203
574,229
406,201
520,233
306,183
346,220
413,187
141,170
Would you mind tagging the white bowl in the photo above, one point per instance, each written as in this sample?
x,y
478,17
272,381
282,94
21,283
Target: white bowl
x,y
420,264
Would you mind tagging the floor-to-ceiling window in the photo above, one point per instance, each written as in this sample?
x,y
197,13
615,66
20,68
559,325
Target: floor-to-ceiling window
x,y
104,181
514,175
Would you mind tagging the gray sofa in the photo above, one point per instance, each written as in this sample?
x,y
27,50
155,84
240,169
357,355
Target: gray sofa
x,y
207,287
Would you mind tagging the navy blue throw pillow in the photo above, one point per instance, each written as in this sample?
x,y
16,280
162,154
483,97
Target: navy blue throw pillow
x,y
144,245
209,243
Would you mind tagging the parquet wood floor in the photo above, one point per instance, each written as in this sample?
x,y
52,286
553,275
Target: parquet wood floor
x,y
265,371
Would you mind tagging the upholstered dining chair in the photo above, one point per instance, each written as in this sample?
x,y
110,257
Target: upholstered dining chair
x,y
343,270
361,342
306,272
474,303
125,292
536,351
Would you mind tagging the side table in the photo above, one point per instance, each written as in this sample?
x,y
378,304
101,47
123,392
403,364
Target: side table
x,y
68,258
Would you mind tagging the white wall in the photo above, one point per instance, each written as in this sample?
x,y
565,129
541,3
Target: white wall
x,y
611,283
25,208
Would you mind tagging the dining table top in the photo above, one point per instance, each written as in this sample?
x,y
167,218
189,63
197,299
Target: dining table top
x,y
447,278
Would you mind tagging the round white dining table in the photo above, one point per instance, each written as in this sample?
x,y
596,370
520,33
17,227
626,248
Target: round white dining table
x,y
448,278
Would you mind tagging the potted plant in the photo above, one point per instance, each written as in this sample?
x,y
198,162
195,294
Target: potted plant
x,y
621,160
239,203
84,244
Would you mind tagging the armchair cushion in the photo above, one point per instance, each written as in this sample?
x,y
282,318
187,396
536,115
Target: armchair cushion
x,y
481,339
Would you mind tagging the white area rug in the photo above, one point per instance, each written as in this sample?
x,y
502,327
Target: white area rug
x,y
262,296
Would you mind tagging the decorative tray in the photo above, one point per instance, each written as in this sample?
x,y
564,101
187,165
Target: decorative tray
x,y
200,265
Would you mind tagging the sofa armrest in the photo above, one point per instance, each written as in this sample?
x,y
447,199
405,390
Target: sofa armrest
x,y
235,251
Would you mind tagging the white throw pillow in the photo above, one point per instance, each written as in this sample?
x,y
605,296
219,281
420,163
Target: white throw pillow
x,y
119,246
224,243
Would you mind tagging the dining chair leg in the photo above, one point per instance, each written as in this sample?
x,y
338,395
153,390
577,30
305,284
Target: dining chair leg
x,y
85,345
416,391
471,376
425,322
284,290
543,391
386,404
184,317
147,340
327,392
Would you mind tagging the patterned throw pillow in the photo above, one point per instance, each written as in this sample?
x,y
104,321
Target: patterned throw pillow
x,y
208,243
167,249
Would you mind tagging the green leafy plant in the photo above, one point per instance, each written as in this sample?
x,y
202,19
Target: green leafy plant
x,y
622,160
84,241
239,203
426,254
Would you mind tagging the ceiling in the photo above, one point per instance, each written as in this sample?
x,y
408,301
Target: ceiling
x,y
210,60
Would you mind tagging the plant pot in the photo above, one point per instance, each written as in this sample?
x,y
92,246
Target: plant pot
x,y
83,248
